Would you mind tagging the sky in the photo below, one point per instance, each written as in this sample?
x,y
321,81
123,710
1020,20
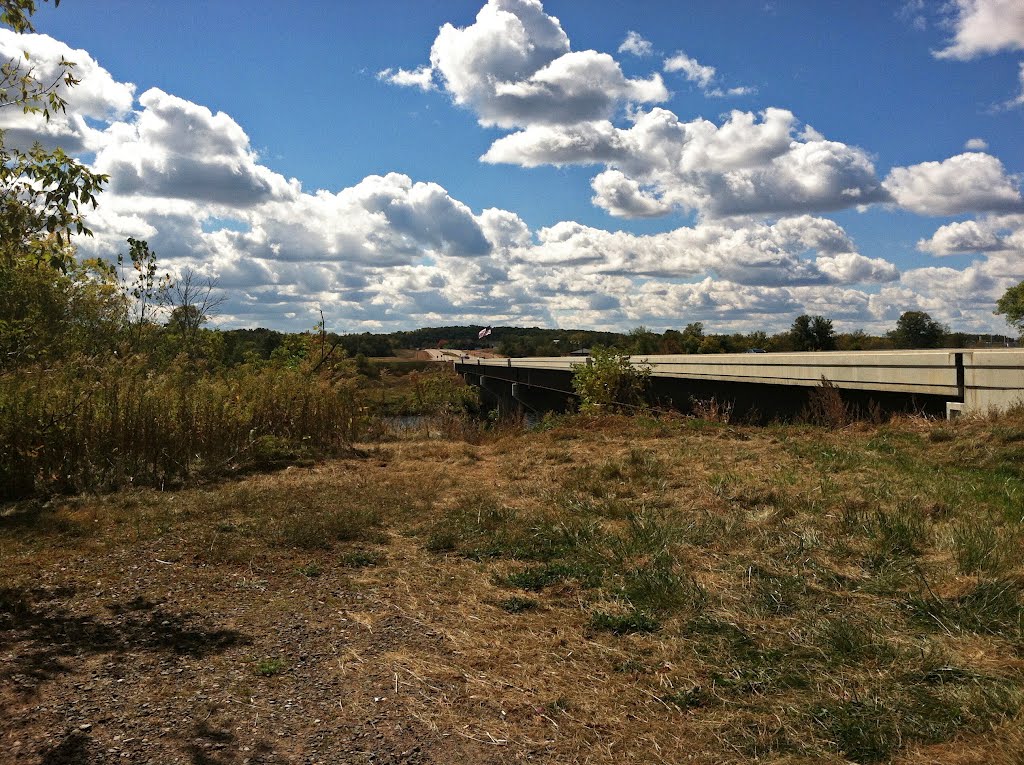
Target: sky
x,y
600,164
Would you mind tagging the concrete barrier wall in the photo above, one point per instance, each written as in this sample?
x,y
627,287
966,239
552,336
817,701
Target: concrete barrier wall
x,y
981,379
993,379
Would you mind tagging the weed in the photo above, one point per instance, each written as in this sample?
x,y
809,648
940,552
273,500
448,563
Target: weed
x,y
124,424
645,466
362,558
37,520
608,382
310,570
760,738
888,576
270,667
518,605
776,593
538,577
901,531
694,697
442,540
623,624
869,728
990,607
846,641
865,731
658,586
473,526
826,407
940,435
319,531
711,409
979,548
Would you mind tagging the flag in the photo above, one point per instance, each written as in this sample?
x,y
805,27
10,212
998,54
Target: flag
x,y
483,333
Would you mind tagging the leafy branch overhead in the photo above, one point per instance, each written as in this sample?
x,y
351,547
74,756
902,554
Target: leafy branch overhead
x,y
17,14
19,85
43,192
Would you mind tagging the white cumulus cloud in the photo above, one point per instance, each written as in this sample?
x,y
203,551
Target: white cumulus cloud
x,y
984,26
969,182
636,45
992,233
1017,100
514,66
175,148
390,252
98,96
744,166
623,197
422,77
693,70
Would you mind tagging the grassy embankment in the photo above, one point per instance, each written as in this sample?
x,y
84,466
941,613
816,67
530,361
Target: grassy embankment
x,y
606,590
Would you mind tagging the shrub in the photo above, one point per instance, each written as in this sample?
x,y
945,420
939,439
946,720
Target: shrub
x,y
826,407
610,382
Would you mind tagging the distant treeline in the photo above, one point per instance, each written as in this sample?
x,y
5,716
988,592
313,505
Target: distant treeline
x,y
808,333
240,345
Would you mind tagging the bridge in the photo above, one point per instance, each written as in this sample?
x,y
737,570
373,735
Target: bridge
x,y
946,381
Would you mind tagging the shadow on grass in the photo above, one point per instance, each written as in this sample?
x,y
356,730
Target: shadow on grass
x,y
43,637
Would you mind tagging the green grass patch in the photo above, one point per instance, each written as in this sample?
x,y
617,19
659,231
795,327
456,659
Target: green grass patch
x,y
536,578
518,605
623,624
271,667
362,558
993,607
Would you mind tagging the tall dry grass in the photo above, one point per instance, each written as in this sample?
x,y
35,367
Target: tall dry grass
x,y
81,427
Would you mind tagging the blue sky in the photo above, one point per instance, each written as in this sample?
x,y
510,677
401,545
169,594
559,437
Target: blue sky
x,y
737,163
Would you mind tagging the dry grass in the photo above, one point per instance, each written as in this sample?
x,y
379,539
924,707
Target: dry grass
x,y
605,590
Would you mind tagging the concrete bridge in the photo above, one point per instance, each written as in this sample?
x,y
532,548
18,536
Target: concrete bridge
x,y
936,381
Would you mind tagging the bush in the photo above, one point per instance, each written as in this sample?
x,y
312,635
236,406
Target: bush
x,y
610,382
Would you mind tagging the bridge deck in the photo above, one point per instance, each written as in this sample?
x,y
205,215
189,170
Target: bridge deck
x,y
981,379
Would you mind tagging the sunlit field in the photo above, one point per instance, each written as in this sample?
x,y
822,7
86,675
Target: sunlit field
x,y
599,589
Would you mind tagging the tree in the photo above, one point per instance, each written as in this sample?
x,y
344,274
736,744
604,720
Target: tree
x,y
142,289
824,335
42,193
916,329
812,333
642,342
800,332
672,341
17,14
46,314
195,301
693,336
711,344
757,339
1011,305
